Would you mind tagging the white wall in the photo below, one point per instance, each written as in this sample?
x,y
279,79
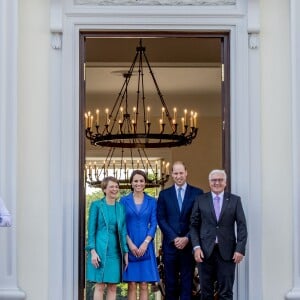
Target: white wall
x,y
33,131
33,150
276,149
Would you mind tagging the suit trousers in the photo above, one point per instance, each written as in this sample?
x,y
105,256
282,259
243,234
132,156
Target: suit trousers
x,y
215,268
179,270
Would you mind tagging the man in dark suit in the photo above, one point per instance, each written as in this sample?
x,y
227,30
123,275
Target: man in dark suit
x,y
174,209
215,218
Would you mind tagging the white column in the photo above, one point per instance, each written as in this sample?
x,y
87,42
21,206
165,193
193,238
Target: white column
x,y
8,146
294,293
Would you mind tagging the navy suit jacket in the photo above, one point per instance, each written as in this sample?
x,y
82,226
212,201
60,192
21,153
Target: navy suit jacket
x,y
171,221
205,226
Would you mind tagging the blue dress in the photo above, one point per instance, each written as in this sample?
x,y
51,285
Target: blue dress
x,y
140,223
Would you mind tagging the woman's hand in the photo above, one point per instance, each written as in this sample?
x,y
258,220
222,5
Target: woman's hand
x,y
125,261
143,248
133,248
95,258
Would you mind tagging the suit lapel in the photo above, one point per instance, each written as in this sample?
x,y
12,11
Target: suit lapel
x,y
211,205
104,210
185,198
174,196
132,206
130,203
225,204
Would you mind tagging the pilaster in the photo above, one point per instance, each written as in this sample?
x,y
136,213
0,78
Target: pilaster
x,y
8,147
294,293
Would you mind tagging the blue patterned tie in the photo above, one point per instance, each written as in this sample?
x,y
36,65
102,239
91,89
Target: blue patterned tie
x,y
179,198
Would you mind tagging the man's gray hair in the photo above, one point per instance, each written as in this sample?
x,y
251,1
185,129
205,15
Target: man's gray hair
x,y
217,171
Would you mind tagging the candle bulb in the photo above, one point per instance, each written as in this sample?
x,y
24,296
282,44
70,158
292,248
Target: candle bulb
x,y
90,169
107,118
134,113
182,124
162,114
91,121
167,169
121,112
161,124
148,115
175,111
191,119
97,117
185,112
86,120
95,170
195,120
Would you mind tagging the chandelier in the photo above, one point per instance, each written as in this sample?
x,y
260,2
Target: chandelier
x,y
128,126
120,166
131,126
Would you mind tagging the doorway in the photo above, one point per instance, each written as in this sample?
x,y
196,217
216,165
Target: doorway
x,y
192,70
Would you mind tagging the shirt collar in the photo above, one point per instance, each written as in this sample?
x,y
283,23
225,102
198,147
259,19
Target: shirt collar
x,y
183,187
221,195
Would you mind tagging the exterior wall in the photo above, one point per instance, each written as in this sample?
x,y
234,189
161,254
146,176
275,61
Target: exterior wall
x,y
33,152
276,149
36,215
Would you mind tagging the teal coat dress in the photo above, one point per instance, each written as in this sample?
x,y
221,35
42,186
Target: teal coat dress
x,y
99,238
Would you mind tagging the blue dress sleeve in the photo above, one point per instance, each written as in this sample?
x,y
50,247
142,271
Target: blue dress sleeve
x,y
153,218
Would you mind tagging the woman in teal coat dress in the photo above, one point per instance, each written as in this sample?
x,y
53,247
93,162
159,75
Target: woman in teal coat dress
x,y
106,244
141,227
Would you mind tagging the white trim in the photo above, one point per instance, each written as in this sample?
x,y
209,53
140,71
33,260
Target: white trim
x,y
294,293
245,141
8,146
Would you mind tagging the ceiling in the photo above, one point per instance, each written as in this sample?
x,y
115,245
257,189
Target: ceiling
x,y
187,71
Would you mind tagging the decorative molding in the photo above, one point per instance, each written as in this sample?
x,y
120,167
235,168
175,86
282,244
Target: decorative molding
x,y
56,8
253,16
253,40
56,40
65,102
156,2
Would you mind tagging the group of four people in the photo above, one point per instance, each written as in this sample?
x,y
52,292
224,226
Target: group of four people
x,y
195,230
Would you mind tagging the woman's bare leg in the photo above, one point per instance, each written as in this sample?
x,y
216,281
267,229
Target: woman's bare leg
x,y
132,291
111,291
99,291
144,293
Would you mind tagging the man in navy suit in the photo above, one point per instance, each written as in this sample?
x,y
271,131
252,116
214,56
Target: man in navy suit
x,y
174,209
219,235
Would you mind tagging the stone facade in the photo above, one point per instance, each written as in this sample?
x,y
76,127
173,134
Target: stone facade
x,y
157,2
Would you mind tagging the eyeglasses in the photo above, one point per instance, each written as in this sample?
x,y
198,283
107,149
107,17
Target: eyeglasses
x,y
215,180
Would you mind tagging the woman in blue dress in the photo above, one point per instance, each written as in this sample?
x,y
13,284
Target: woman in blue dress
x,y
141,227
106,243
